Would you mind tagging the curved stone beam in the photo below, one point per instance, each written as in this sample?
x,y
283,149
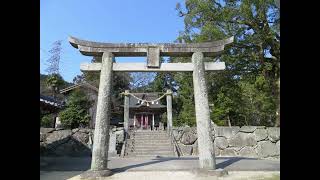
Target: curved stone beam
x,y
91,48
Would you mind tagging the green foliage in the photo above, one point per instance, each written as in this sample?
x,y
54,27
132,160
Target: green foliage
x,y
164,117
120,83
54,82
248,91
183,103
258,105
76,112
47,121
46,89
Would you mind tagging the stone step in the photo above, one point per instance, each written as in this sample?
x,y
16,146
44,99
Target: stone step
x,y
152,136
152,148
153,142
151,139
160,142
154,152
168,153
151,133
152,155
152,145
148,143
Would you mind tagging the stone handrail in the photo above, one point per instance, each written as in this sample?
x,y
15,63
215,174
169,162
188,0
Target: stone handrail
x,y
175,144
124,146
130,134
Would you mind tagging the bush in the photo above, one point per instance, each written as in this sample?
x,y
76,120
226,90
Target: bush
x,y
76,112
47,121
73,117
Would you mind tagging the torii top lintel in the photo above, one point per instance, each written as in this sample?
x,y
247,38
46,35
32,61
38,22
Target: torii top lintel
x,y
91,48
152,50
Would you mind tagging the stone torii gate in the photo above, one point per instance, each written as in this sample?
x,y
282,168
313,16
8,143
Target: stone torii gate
x,y
153,52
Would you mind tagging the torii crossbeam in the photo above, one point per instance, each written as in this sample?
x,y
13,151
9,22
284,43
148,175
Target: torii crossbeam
x,y
153,52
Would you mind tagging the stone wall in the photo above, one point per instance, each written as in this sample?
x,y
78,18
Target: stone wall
x,y
75,142
247,141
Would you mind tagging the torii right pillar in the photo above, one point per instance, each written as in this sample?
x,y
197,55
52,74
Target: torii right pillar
x,y
204,131
169,110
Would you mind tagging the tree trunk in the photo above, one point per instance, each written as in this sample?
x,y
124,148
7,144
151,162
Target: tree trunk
x,y
229,122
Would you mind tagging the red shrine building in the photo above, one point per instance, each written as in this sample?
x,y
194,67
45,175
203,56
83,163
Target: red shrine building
x,y
145,115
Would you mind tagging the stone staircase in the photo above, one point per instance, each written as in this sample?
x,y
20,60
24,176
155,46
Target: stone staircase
x,y
151,144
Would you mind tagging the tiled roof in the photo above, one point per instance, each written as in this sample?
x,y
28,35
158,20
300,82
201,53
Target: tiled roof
x,y
50,101
82,84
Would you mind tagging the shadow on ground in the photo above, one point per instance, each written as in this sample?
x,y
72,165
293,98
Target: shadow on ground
x,y
83,164
67,167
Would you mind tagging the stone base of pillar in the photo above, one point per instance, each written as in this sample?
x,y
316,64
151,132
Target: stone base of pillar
x,y
209,172
112,154
90,174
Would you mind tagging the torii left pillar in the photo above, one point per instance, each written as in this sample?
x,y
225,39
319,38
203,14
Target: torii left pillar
x,y
99,163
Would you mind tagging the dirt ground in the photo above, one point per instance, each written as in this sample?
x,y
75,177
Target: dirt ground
x,y
184,175
55,168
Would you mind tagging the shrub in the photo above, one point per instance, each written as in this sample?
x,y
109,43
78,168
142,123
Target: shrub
x,y
47,121
73,117
76,112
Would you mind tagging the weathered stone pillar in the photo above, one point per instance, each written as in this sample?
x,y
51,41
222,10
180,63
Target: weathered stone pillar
x,y
134,121
169,110
126,112
101,133
112,145
58,122
146,121
205,143
153,121
141,123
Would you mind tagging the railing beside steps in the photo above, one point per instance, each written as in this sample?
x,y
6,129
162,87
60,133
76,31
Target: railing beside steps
x,y
176,148
128,135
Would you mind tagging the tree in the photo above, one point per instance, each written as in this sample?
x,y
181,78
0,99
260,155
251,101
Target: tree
x,y
248,91
54,82
120,83
76,112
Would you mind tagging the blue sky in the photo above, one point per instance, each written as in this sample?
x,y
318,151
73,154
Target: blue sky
x,y
106,21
